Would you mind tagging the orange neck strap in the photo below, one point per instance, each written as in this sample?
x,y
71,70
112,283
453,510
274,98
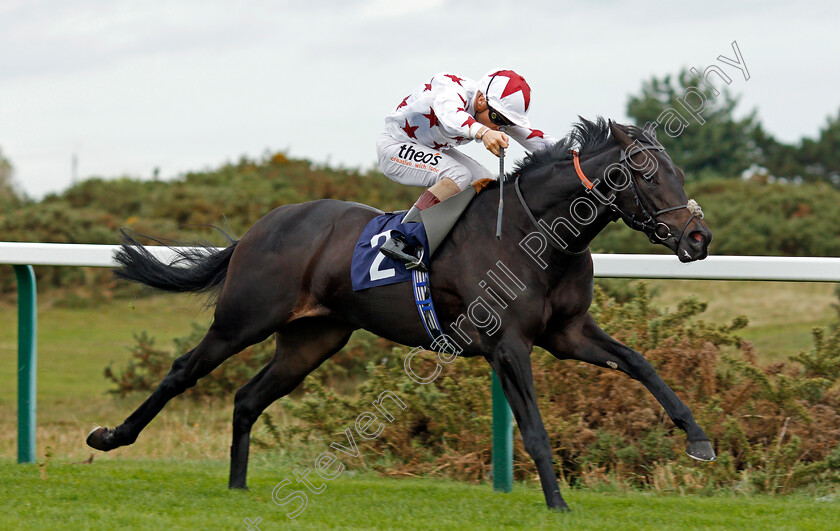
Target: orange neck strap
x,y
586,182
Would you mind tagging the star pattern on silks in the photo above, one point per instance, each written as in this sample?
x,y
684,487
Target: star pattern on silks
x,y
463,100
409,130
516,83
404,102
428,85
468,122
536,133
459,139
454,78
440,146
433,121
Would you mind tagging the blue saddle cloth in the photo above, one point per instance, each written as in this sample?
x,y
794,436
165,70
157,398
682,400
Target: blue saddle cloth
x,y
369,267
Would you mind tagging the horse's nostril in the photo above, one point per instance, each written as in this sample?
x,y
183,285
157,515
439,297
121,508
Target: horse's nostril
x,y
697,236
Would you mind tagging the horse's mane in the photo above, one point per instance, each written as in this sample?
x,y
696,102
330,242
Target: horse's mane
x,y
586,137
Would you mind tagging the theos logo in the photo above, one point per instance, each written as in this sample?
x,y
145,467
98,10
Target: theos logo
x,y
408,152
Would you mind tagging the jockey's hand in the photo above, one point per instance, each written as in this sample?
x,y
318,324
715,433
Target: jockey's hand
x,y
493,140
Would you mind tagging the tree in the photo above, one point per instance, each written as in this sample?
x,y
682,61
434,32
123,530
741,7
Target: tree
x,y
779,159
9,196
811,160
823,155
696,127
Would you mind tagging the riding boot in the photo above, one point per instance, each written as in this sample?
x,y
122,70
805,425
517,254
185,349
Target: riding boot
x,y
398,248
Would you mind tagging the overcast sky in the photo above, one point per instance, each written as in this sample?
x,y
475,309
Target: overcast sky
x,y
182,85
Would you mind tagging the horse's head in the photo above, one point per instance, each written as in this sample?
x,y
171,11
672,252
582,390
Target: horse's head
x,y
652,198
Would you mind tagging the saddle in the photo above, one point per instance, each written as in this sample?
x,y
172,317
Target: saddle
x,y
370,268
440,218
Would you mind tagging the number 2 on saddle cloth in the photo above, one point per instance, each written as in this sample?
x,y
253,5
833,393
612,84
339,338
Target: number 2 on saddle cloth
x,y
370,268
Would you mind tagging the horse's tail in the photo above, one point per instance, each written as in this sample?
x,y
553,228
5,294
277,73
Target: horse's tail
x,y
196,269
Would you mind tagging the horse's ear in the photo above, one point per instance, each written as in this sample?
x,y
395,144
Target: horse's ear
x,y
620,135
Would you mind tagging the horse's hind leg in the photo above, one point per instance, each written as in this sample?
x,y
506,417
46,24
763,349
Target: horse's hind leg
x,y
302,346
221,342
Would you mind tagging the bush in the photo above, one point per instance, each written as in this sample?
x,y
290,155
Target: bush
x,y
149,364
774,427
751,218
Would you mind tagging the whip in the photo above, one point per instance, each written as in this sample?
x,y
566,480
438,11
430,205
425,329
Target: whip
x,y
501,189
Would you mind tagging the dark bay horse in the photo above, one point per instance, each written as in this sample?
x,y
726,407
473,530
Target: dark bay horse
x,y
289,275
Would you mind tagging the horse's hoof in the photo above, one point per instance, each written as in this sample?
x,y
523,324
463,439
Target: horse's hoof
x,y
561,508
557,503
97,439
700,450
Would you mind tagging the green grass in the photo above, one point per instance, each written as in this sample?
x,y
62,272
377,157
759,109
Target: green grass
x,y
75,344
781,314
193,495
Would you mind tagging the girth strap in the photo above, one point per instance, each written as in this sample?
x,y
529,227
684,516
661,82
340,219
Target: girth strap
x,y
423,300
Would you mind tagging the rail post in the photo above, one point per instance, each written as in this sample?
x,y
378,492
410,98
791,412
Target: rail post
x,y
502,440
27,361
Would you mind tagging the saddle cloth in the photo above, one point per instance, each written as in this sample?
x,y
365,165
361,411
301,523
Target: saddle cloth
x,y
370,268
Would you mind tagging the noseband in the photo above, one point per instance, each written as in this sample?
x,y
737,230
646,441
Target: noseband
x,y
649,225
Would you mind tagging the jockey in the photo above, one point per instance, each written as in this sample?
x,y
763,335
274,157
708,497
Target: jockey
x,y
417,147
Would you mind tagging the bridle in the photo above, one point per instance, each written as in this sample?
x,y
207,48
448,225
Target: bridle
x,y
649,224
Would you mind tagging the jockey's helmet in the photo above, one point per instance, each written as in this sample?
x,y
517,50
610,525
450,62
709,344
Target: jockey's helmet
x,y
507,93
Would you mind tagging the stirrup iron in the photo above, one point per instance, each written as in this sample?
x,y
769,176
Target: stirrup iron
x,y
417,263
398,249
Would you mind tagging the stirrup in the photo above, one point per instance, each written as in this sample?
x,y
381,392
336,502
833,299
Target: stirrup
x,y
417,263
398,249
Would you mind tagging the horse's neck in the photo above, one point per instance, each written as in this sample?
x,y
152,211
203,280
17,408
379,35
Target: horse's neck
x,y
557,197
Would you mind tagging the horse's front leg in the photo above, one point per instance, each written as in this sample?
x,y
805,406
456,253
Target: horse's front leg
x,y
585,341
511,361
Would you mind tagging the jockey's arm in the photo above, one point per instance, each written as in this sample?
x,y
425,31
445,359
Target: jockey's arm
x,y
531,139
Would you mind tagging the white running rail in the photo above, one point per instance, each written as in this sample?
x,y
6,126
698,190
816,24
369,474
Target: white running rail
x,y
806,269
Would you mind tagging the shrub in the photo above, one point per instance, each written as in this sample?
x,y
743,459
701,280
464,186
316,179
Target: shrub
x,y
149,364
774,427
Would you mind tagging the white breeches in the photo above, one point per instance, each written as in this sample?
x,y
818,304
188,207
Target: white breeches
x,y
418,165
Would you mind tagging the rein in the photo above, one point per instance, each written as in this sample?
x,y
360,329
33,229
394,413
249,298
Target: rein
x,y
548,236
649,225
